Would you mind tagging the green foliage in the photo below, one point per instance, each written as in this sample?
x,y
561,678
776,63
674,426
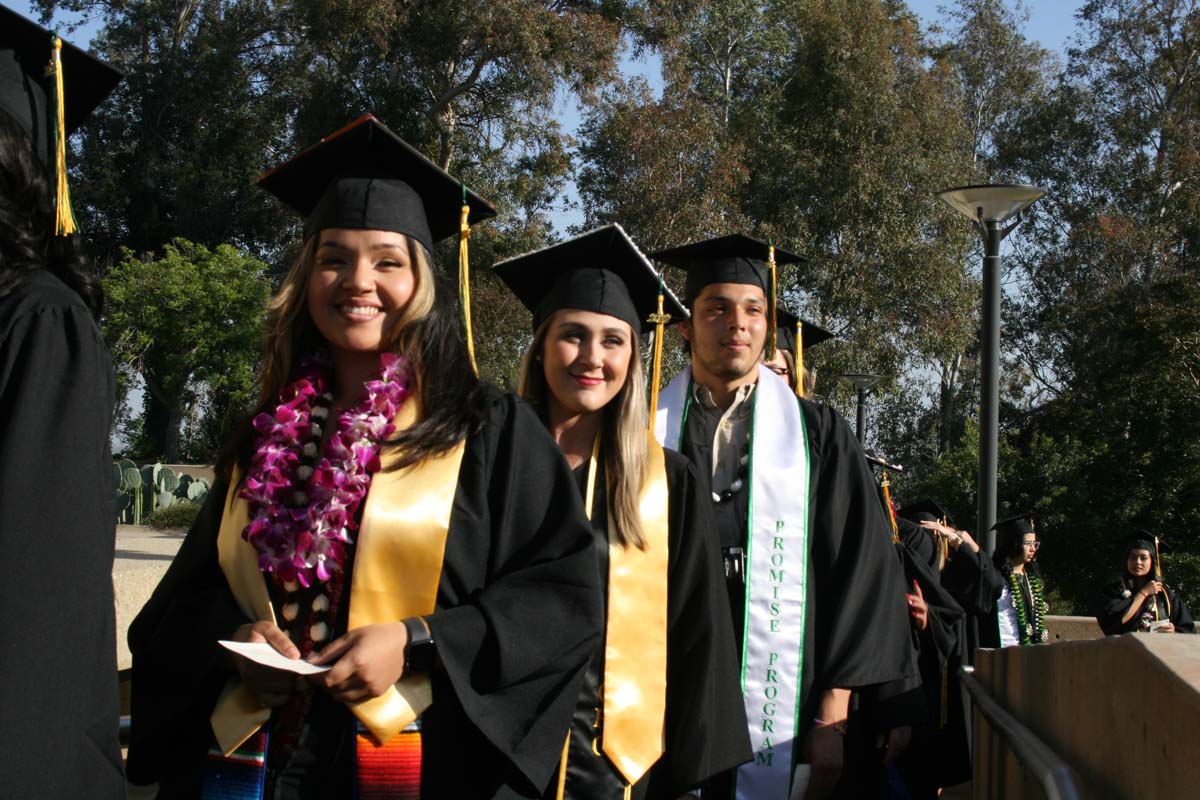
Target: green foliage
x,y
176,515
198,341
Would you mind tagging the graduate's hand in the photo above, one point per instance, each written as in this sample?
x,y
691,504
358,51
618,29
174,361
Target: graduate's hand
x,y
823,746
272,687
366,661
1168,628
1151,588
896,740
965,538
918,609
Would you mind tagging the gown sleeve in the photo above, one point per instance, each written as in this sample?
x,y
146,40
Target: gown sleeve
x,y
178,667
57,529
519,609
1181,617
706,729
1109,606
973,580
857,583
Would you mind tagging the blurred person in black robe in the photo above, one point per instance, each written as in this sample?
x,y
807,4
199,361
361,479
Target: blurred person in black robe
x,y
591,297
806,550
59,711
1141,601
457,606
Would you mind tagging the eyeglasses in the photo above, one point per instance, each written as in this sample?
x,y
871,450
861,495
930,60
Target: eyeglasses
x,y
1034,545
782,372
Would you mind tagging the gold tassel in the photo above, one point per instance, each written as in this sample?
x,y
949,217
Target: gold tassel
x,y
800,390
464,277
64,218
1158,574
885,484
562,769
772,300
659,319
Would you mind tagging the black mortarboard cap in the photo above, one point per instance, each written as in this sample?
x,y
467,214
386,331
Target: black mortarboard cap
x,y
786,330
922,511
366,177
1019,525
26,49
880,463
1144,540
601,271
729,259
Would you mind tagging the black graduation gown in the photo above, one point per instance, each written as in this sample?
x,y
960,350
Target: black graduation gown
x,y
937,754
856,631
59,710
1113,601
974,582
705,727
517,618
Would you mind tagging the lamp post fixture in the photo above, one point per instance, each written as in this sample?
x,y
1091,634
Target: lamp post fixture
x,y
989,207
861,382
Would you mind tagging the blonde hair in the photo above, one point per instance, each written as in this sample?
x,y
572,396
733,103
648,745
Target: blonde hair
x,y
623,435
290,330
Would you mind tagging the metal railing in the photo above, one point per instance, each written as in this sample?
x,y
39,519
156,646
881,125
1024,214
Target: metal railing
x,y
1052,772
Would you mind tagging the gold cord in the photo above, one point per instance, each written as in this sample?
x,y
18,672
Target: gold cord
x,y
464,279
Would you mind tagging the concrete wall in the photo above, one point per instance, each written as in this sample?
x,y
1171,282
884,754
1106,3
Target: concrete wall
x,y
1072,629
1123,712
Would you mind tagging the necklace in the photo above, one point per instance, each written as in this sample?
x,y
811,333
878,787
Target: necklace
x,y
1031,627
303,511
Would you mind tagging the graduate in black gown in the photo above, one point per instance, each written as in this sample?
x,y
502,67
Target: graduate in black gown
x,y
968,574
815,588
1019,616
938,756
1141,601
591,297
457,602
59,711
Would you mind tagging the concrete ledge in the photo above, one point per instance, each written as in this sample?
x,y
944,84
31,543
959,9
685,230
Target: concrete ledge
x,y
1121,711
1072,629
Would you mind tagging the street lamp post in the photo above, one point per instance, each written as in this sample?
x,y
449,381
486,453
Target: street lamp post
x,y
861,382
989,207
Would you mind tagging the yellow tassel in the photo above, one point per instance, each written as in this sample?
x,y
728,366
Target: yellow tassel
x,y
64,219
885,484
1158,575
660,319
562,770
800,390
464,277
773,301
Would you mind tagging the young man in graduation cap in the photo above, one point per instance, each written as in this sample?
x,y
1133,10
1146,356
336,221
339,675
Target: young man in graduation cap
x,y
792,337
815,588
58,685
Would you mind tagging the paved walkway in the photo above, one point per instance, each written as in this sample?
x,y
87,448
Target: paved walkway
x,y
143,555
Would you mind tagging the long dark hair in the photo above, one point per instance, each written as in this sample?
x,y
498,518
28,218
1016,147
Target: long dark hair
x,y
450,395
27,240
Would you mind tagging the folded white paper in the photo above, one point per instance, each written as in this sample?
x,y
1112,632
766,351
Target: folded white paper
x,y
263,653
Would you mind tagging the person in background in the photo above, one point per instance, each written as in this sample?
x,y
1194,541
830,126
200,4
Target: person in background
x,y
794,338
384,515
59,711
1141,601
1020,616
669,639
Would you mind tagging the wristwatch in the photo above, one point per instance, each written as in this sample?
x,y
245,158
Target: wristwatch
x,y
420,652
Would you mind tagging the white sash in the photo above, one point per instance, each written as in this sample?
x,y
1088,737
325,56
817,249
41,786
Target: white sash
x,y
776,574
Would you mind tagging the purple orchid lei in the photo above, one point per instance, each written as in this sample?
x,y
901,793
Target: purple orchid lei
x,y
302,517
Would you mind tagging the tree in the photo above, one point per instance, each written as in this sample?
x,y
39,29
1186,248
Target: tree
x,y
190,323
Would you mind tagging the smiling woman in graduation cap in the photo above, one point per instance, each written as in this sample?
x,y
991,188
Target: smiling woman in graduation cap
x,y
384,515
654,717
1141,601
58,661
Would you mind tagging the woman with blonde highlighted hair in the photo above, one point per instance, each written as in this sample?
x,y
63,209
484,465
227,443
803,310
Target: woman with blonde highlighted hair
x,y
660,710
391,590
